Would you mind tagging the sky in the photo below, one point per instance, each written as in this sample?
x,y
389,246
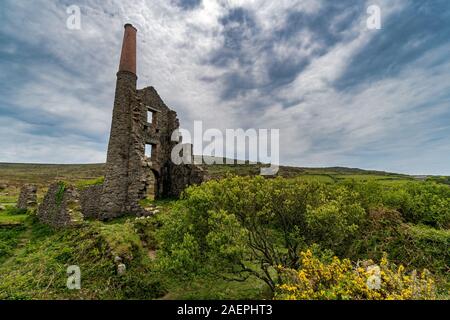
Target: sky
x,y
341,94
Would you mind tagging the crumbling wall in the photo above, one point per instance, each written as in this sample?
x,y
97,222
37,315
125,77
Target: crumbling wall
x,y
60,207
90,201
27,197
170,179
182,176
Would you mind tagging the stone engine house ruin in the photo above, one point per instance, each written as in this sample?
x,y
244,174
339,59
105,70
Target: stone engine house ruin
x,y
140,120
128,170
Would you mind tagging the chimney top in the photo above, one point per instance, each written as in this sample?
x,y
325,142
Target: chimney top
x,y
128,55
129,25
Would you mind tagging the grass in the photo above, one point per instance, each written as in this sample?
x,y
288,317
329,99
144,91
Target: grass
x,y
9,220
12,216
8,199
9,240
204,288
82,184
37,269
43,174
121,238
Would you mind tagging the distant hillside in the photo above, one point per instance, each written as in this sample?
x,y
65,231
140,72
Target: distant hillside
x,y
15,174
43,174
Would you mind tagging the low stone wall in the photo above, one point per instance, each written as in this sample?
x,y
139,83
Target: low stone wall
x,y
64,205
60,207
27,197
90,201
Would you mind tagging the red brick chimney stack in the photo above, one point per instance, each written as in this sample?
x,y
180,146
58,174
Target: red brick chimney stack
x,y
128,55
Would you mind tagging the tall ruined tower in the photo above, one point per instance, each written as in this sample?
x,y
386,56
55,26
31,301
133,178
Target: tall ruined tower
x,y
120,158
128,170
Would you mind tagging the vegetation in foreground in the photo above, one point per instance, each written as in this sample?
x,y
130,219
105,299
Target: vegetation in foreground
x,y
241,226
300,237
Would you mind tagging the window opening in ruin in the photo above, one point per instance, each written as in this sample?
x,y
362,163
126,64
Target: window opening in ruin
x,y
148,150
149,116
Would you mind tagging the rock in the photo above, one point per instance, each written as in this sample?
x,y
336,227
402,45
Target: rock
x,y
121,268
117,259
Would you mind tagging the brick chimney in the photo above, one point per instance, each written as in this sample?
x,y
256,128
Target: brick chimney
x,y
128,55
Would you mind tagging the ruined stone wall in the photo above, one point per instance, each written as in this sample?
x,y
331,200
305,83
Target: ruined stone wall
x,y
90,201
170,179
60,207
139,168
118,166
182,176
27,197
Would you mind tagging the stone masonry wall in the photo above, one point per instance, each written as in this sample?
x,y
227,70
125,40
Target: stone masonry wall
x,y
90,201
118,167
182,176
170,179
27,197
60,207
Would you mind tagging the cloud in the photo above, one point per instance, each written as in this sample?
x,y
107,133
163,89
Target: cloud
x,y
339,93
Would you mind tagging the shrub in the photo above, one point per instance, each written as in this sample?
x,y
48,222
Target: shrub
x,y
339,279
418,202
426,203
335,223
416,246
245,226
242,226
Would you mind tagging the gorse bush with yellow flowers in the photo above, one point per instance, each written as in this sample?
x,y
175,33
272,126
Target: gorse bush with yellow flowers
x,y
340,279
250,226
